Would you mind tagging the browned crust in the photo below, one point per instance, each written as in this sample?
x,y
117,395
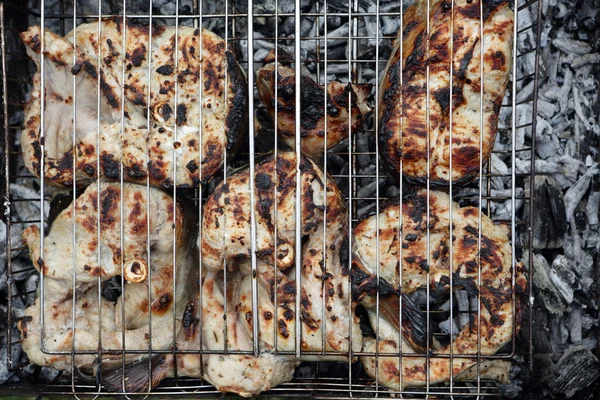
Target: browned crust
x,y
408,101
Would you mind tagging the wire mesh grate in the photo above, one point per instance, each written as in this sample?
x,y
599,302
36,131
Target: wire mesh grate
x,y
354,166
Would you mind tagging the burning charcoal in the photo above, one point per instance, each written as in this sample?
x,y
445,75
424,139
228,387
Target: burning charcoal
x,y
575,370
548,294
559,333
541,341
306,370
575,323
591,58
512,388
445,327
30,287
550,218
572,46
575,193
362,146
5,374
582,261
592,209
564,278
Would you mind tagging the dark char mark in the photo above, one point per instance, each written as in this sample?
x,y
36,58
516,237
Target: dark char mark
x,y
238,108
165,70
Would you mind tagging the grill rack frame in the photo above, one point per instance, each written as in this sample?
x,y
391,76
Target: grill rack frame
x,y
354,63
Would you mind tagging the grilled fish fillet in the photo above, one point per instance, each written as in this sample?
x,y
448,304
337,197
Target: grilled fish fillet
x,y
403,244
101,257
408,134
226,237
203,87
314,136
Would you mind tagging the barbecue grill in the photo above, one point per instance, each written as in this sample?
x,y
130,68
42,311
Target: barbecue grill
x,y
353,51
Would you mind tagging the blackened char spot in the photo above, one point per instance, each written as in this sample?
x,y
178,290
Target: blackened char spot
x,y
192,166
489,6
167,111
108,202
181,114
110,166
344,255
90,69
189,318
414,62
464,63
263,181
161,305
36,43
165,70
409,27
283,328
66,163
238,106
442,96
111,96
76,67
136,172
139,55
312,103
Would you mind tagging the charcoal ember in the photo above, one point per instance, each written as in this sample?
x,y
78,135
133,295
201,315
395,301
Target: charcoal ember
x,y
575,323
580,260
571,46
547,293
559,333
564,278
593,209
550,215
5,373
541,340
513,388
306,370
575,370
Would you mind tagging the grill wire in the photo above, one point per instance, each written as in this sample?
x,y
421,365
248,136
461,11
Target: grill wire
x,y
234,23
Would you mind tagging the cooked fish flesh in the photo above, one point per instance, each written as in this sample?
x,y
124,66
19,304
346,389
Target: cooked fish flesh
x,y
226,240
314,136
226,237
242,374
415,107
102,257
165,102
403,244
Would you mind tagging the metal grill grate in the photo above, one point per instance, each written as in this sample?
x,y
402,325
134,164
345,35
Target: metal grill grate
x,y
232,23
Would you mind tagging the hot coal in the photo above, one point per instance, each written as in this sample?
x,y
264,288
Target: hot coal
x,y
576,369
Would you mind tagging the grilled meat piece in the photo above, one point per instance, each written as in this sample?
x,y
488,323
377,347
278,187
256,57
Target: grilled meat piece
x,y
226,240
184,94
242,374
314,136
101,257
408,133
403,244
226,237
